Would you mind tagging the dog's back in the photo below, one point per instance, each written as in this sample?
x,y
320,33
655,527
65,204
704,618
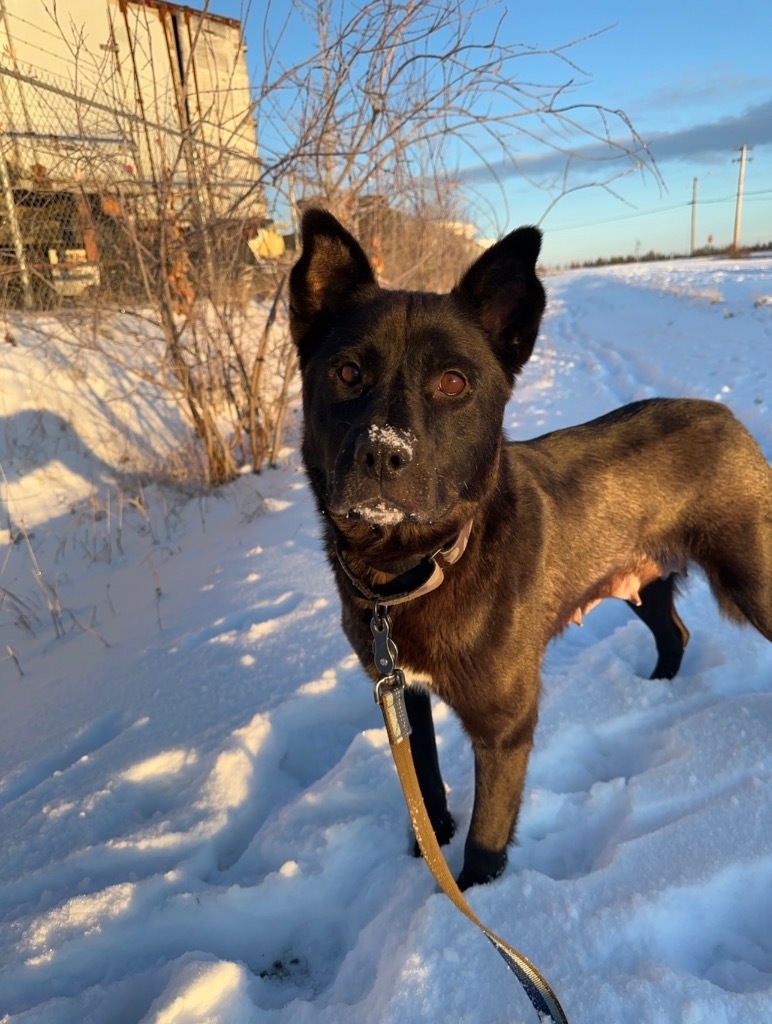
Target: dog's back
x,y
642,492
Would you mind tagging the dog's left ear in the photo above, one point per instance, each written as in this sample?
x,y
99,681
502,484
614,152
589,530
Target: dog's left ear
x,y
505,295
331,269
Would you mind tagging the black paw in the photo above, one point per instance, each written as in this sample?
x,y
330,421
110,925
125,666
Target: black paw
x,y
444,829
481,867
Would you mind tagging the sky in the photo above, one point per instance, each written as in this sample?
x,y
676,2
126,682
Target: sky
x,y
696,81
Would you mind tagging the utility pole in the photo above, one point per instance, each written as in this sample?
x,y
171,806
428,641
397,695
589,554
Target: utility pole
x,y
693,244
739,208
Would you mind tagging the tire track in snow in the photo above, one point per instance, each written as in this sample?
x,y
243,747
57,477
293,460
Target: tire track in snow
x,y
88,741
260,619
294,746
617,365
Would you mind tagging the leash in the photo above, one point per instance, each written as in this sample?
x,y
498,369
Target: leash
x,y
390,696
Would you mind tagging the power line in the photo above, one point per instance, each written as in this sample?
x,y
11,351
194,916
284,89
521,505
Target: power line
x,y
658,209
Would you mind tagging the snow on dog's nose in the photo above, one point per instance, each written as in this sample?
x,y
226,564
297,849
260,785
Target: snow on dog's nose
x,y
384,451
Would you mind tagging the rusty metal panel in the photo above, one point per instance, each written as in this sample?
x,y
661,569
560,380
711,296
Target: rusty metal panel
x,y
219,104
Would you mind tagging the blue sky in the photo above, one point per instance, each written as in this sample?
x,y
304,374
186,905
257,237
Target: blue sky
x,y
696,81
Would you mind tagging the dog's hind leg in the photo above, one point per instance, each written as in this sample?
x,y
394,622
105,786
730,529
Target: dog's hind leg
x,y
423,746
671,636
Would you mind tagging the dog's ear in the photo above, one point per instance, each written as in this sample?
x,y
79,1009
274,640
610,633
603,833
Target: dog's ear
x,y
505,295
330,270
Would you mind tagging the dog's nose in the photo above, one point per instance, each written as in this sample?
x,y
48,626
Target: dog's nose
x,y
384,451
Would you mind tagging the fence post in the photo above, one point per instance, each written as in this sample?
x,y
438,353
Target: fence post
x,y
13,224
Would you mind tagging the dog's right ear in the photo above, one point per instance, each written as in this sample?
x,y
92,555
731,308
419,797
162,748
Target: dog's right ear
x,y
331,269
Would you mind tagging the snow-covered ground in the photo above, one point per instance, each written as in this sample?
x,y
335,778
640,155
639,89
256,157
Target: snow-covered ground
x,y
199,819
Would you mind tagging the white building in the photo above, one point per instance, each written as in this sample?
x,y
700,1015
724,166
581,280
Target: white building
x,y
126,91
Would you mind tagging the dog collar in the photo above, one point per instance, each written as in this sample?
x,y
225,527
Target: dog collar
x,y
415,582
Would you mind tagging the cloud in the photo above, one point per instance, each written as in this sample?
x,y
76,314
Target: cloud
x,y
703,142
753,128
700,86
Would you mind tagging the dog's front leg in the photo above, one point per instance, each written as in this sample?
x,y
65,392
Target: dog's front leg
x,y
500,767
423,746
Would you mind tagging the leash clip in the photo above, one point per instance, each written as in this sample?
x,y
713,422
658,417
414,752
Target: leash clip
x,y
389,690
384,648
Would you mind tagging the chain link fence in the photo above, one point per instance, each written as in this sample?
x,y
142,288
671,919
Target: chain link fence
x,y
94,194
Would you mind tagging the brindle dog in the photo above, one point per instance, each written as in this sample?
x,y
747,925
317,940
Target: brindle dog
x,y
404,396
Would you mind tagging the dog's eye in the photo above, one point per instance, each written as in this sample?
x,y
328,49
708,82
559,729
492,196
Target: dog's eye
x,y
452,383
350,374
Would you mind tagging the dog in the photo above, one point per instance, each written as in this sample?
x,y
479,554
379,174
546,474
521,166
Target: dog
x,y
403,399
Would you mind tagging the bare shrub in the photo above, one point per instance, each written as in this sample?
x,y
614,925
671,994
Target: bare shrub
x,y
377,119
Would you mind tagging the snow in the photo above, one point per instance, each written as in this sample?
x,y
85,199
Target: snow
x,y
380,513
402,441
199,818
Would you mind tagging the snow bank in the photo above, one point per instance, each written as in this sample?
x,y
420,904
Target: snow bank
x,y
198,815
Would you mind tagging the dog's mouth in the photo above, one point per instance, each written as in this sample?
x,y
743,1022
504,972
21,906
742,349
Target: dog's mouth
x,y
384,514
388,537
381,513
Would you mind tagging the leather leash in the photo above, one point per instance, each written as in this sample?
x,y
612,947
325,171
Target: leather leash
x,y
390,696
